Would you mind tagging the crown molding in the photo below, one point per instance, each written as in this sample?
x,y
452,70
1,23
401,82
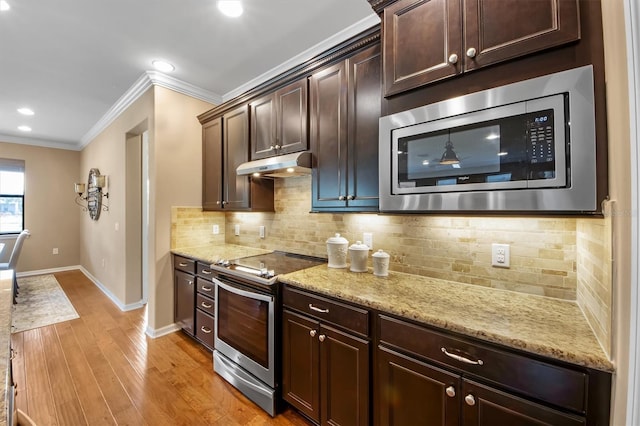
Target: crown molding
x,y
142,84
69,145
334,40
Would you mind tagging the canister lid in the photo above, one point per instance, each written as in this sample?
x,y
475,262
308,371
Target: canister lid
x,y
380,253
359,246
337,239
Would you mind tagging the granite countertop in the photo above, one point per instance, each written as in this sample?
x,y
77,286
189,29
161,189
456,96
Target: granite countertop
x,y
6,301
535,324
212,253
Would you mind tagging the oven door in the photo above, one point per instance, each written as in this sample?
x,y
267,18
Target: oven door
x,y
244,329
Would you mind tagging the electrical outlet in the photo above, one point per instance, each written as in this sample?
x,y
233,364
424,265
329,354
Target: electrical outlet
x,y
500,255
367,239
261,231
236,229
55,250
216,229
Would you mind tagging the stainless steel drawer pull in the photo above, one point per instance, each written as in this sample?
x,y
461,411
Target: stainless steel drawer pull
x,y
204,288
182,264
321,310
206,272
461,358
312,333
206,305
205,329
189,282
321,337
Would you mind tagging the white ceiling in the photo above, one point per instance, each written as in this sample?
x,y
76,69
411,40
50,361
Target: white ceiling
x,y
71,61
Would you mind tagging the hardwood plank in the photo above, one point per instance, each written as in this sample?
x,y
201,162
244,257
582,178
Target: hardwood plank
x,y
103,369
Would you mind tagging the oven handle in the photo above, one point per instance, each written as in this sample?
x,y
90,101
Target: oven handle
x,y
243,293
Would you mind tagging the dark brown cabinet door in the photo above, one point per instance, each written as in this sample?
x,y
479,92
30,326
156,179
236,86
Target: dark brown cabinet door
x,y
344,378
364,110
279,122
485,406
411,392
212,165
429,40
498,30
300,368
328,133
184,300
422,42
345,106
236,151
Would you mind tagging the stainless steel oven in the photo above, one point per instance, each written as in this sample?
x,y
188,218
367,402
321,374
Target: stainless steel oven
x,y
247,330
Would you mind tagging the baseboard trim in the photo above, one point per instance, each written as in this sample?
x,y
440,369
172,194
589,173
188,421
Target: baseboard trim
x,y
109,294
47,271
162,331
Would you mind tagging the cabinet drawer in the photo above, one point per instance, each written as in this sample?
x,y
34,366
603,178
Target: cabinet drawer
x,y
349,317
203,270
204,328
205,303
557,385
205,287
184,264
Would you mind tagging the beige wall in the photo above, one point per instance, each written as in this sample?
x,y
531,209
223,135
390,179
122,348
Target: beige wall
x,y
176,176
620,192
50,211
102,247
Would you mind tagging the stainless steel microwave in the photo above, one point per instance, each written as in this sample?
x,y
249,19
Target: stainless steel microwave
x,y
526,146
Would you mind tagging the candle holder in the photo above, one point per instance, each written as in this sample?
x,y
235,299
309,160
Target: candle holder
x,y
93,200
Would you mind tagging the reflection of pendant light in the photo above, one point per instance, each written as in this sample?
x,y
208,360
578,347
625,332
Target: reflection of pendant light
x,y
449,156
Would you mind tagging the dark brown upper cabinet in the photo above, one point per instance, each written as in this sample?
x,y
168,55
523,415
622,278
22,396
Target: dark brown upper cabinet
x,y
429,40
225,145
279,122
345,105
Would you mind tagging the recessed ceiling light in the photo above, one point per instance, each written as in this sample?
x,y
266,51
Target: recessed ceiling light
x,y
163,66
24,128
232,8
25,111
4,6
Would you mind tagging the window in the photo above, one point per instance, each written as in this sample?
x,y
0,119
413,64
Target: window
x,y
11,196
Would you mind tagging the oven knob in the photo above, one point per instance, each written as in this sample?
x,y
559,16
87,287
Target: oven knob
x,y
264,272
271,273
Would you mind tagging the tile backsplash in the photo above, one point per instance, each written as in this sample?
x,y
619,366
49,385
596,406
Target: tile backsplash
x,y
559,257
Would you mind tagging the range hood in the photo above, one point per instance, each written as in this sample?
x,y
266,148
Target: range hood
x,y
280,166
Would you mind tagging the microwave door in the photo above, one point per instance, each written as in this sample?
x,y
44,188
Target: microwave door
x,y
419,153
550,143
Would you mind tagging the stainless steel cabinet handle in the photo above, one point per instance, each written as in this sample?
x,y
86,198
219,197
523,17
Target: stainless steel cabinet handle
x,y
450,391
471,52
217,202
453,58
182,264
224,202
206,272
205,329
321,310
461,358
341,198
322,337
470,400
189,282
271,148
206,305
209,289
351,197
312,333
278,147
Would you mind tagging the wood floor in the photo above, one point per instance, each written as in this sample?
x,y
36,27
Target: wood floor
x,y
101,369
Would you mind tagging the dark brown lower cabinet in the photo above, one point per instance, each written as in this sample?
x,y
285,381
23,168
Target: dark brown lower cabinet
x,y
325,371
184,297
412,392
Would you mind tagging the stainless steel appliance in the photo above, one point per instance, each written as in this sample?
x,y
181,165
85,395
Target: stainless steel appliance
x,y
527,146
247,323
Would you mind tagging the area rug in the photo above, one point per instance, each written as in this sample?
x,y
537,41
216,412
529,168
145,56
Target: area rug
x,y
41,301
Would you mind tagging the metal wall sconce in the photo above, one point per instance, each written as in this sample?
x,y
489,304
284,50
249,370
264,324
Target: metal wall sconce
x,y
93,201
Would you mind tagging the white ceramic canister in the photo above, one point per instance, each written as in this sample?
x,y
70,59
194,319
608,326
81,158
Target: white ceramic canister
x,y
380,263
358,253
337,251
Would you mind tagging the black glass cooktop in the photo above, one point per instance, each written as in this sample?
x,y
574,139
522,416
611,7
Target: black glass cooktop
x,y
274,263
